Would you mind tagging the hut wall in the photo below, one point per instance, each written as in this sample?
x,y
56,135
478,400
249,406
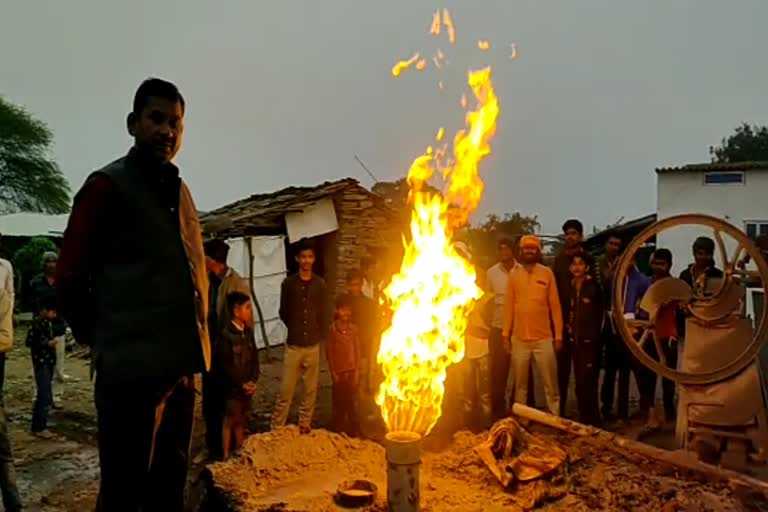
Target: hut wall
x,y
362,225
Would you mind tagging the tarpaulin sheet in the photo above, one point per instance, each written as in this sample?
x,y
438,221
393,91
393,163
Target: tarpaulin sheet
x,y
316,219
269,270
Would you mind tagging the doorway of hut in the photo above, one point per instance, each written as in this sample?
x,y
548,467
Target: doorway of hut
x,y
326,252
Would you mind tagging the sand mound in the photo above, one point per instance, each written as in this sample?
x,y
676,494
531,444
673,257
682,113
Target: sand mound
x,y
285,471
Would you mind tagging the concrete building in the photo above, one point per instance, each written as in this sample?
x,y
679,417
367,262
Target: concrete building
x,y
735,192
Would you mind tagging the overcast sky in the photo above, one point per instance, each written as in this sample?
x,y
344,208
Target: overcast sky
x,y
285,92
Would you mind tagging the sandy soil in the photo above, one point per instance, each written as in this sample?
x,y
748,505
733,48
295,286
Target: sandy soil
x,y
62,474
284,470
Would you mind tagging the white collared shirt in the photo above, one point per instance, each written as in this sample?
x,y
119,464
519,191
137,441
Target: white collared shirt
x,y
497,285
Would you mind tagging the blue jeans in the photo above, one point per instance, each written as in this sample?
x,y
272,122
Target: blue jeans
x,y
44,399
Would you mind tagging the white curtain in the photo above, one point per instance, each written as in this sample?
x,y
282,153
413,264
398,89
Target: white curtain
x,y
269,270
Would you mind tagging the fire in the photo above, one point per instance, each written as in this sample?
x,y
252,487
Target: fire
x,y
404,64
435,28
448,21
431,295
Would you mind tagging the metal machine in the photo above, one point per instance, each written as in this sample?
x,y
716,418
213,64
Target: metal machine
x,y
721,411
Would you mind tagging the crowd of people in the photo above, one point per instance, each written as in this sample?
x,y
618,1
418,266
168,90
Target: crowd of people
x,y
136,282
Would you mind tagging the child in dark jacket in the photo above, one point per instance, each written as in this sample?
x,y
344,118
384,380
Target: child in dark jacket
x,y
237,367
585,325
343,353
42,346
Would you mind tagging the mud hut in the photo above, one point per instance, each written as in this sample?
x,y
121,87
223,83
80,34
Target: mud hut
x,y
346,221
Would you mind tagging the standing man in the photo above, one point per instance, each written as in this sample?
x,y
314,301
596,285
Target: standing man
x,y
6,316
533,323
616,354
11,499
133,286
303,310
44,285
573,234
497,278
634,287
584,331
703,267
666,333
223,281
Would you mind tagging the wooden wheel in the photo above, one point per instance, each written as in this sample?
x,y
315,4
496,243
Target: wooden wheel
x,y
710,307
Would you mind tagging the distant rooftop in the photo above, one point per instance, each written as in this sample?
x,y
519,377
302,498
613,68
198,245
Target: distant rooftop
x,y
715,166
33,224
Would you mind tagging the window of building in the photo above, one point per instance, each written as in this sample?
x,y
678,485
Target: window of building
x,y
756,228
723,178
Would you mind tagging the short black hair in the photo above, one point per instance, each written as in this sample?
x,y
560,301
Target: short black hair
x,y
217,250
663,254
47,303
343,302
157,88
305,244
612,233
506,241
573,224
704,243
354,274
580,254
236,299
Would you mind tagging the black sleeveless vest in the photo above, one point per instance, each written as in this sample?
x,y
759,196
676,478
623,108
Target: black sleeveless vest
x,y
146,298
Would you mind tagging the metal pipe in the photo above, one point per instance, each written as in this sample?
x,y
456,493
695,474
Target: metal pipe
x,y
403,451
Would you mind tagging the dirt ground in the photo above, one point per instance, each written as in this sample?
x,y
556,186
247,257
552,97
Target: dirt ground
x,y
62,474
287,471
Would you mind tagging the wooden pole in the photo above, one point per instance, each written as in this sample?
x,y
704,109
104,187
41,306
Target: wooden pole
x,y
259,312
621,445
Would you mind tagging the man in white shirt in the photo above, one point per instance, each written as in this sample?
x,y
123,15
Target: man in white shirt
x,y
497,277
6,314
10,492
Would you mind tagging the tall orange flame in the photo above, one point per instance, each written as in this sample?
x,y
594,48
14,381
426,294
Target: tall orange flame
x,y
432,293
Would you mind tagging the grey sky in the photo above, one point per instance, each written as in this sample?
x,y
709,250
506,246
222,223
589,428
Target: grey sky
x,y
285,92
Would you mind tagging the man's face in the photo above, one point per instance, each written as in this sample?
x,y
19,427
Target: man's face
x,y
306,260
355,286
345,314
578,267
660,267
613,246
572,237
703,257
49,314
50,266
213,266
505,253
157,129
529,254
243,312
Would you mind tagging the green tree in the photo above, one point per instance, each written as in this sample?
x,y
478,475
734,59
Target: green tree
x,y
747,143
484,237
29,179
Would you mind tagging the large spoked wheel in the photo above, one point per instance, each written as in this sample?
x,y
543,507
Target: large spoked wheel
x,y
637,333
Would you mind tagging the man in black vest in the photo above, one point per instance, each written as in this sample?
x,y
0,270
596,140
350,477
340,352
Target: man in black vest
x,y
131,281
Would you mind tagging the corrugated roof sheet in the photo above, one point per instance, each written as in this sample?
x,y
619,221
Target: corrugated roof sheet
x,y
716,166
